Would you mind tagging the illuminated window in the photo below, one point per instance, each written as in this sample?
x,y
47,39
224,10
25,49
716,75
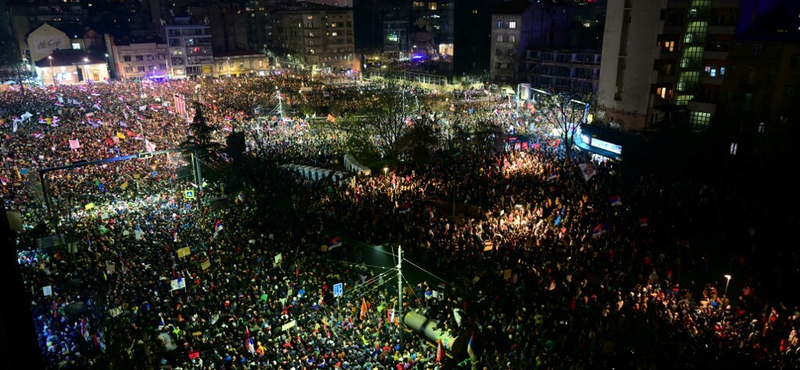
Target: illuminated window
x,y
432,5
699,120
670,46
76,46
474,11
310,17
512,25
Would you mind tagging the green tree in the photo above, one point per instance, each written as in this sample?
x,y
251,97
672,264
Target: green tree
x,y
201,136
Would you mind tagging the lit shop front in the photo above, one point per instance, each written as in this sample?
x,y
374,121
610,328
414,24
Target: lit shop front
x,y
602,147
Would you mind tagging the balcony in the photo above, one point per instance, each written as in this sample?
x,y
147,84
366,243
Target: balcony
x,y
715,55
708,80
721,30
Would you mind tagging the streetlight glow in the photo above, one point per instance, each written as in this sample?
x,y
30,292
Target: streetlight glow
x,y
726,284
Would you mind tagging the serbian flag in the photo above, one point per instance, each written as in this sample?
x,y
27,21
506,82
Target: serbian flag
x,y
334,242
38,135
469,348
615,201
217,227
248,341
404,207
600,229
363,309
643,221
439,351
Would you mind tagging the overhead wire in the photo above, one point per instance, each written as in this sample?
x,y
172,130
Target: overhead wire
x,y
427,272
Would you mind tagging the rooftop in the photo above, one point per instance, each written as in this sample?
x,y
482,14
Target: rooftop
x,y
64,58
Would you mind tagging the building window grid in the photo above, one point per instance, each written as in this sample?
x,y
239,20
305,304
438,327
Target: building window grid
x,y
692,56
696,33
699,120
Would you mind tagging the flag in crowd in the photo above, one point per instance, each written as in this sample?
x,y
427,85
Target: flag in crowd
x,y
217,228
404,208
363,309
588,170
248,342
74,144
615,200
334,242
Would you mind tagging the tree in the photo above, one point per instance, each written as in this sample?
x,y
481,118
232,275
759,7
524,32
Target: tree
x,y
201,136
386,119
565,115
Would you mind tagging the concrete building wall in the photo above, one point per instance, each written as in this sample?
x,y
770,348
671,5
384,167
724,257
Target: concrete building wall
x,y
141,60
627,71
506,44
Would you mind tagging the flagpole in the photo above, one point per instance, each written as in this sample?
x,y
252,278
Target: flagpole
x,y
400,293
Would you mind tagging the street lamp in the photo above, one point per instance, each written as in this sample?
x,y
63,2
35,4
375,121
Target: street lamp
x,y
726,284
385,171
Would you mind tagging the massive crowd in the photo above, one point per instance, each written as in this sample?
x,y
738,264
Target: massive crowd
x,y
546,267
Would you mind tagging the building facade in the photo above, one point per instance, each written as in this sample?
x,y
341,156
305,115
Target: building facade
x,y
190,51
519,26
240,63
315,36
658,55
68,16
573,72
70,67
143,60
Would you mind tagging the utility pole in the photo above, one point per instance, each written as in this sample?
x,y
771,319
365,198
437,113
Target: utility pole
x,y
400,292
280,103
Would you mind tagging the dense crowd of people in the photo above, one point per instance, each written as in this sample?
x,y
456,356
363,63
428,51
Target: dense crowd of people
x,y
545,266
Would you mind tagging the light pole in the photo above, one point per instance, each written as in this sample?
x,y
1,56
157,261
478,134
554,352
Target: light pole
x,y
85,71
385,172
726,284
108,67
52,74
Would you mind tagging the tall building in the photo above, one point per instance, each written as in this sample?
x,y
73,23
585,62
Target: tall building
x,y
431,32
190,49
227,23
655,56
472,36
521,25
762,76
315,36
573,72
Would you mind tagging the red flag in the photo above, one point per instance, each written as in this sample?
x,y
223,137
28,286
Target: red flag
x,y
439,351
363,309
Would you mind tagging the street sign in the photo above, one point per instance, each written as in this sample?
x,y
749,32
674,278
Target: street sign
x,y
337,290
189,194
